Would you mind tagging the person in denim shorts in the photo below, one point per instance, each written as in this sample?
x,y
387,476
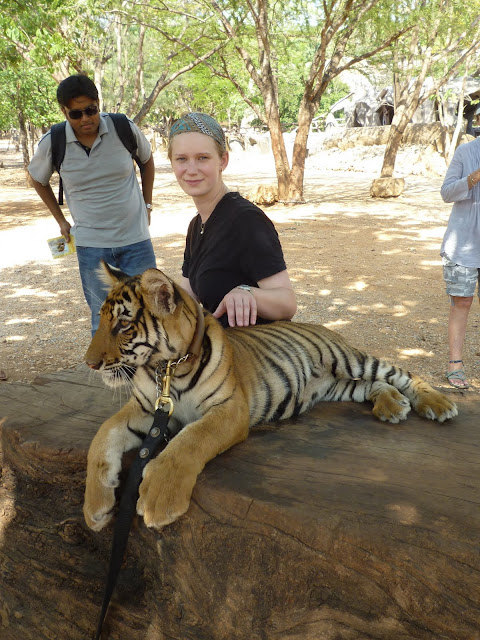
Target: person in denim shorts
x,y
460,249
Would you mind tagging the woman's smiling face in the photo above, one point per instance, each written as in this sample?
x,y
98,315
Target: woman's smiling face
x,y
197,164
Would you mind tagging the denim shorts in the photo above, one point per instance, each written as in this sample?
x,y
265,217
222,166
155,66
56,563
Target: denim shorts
x,y
460,281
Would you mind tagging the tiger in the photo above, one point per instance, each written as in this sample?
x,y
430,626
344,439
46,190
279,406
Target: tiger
x,y
225,382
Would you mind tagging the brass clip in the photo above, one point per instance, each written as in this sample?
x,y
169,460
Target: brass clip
x,y
164,398
164,401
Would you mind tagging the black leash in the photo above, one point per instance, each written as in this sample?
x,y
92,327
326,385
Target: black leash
x,y
158,435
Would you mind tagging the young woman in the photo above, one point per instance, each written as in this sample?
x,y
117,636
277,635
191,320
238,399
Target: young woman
x,y
233,261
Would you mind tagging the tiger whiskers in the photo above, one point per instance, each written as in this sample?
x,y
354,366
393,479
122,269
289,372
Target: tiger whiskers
x,y
94,295
126,373
91,375
123,387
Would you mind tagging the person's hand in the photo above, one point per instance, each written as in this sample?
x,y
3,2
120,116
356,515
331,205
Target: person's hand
x,y
240,307
149,212
475,176
65,227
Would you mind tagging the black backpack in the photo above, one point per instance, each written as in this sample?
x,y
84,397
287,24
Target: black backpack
x,y
59,142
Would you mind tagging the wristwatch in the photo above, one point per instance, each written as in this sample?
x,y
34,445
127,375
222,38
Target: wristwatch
x,y
149,206
245,287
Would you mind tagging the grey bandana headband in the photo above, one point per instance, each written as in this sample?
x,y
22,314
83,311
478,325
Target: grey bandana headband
x,y
200,123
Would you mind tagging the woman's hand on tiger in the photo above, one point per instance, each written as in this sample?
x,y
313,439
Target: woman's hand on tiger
x,y
240,307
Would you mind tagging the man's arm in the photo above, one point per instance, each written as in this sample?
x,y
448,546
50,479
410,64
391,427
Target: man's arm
x,y
46,194
148,176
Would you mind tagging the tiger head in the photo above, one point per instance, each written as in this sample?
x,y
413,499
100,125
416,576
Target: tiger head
x,y
145,319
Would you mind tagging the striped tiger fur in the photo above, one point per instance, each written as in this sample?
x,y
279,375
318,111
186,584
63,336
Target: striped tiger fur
x,y
240,377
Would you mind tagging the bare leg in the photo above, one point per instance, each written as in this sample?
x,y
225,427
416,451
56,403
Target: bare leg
x,y
457,328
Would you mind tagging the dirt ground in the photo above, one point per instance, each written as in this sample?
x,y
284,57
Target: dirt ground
x,y
369,269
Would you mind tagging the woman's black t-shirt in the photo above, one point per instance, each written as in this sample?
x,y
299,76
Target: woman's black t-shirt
x,y
237,245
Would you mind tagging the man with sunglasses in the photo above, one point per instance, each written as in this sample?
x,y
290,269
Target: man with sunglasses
x,y
111,213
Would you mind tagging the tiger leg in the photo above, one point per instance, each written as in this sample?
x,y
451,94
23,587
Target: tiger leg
x,y
169,479
389,405
429,402
104,461
425,400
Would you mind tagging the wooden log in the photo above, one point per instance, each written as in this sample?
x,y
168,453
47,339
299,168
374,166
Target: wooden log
x,y
332,525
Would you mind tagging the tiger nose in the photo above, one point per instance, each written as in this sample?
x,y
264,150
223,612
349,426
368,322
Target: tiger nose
x,y
94,360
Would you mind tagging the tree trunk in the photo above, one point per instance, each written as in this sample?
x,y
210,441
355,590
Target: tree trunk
x,y
98,72
22,127
279,151
450,150
387,186
331,525
138,80
391,150
297,175
149,101
120,74
447,138
31,138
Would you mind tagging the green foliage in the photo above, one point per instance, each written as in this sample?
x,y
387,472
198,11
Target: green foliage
x,y
293,54
438,25
201,90
335,91
53,38
31,91
32,29
26,87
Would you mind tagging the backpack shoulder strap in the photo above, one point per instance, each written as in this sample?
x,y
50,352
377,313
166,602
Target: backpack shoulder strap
x,y
126,135
59,142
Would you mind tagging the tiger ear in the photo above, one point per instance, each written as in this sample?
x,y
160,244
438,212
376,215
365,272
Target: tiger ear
x,y
158,291
110,275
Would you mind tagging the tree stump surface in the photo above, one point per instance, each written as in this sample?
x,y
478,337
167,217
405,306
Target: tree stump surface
x,y
330,526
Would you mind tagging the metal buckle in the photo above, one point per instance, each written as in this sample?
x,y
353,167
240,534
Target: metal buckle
x,y
164,402
165,375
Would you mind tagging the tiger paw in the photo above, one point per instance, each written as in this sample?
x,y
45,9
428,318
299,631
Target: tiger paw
x,y
98,505
435,406
390,405
165,492
102,479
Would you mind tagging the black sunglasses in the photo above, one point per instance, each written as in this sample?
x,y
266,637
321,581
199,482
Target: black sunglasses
x,y
76,114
